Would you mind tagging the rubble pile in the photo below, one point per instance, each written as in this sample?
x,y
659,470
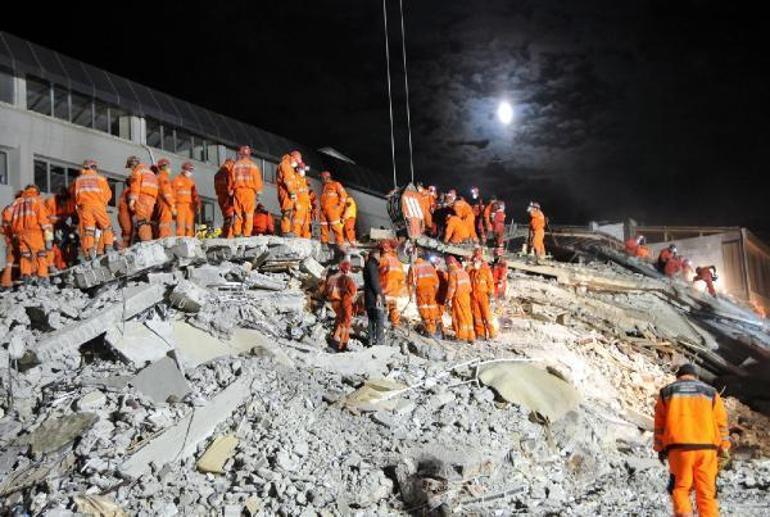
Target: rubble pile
x,y
189,377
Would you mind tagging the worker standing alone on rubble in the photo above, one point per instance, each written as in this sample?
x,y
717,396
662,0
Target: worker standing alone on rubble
x,y
392,280
246,181
341,290
691,433
166,203
333,197
188,202
482,288
33,234
223,189
142,196
423,283
708,275
458,300
92,193
537,225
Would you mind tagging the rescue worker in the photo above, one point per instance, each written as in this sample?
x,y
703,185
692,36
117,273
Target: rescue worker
x,y
92,194
708,275
423,283
458,300
464,211
500,274
691,433
11,246
246,182
263,221
482,289
497,223
223,189
124,216
664,256
302,205
433,230
33,233
341,290
349,220
426,204
456,231
537,229
166,202
391,279
142,196
673,266
60,209
635,247
374,298
286,187
188,202
478,207
333,197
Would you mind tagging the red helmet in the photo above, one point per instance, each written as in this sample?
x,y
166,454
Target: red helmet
x,y
296,156
163,162
244,150
89,164
326,175
345,265
187,166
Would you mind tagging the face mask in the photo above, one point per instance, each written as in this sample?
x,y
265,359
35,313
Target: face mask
x,y
294,164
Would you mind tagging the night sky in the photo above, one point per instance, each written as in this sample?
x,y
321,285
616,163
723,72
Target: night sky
x,y
654,110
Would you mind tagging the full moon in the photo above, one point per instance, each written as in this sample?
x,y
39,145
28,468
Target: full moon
x,y
505,112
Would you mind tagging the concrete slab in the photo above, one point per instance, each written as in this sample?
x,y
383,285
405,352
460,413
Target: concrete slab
x,y
137,344
371,362
181,440
161,380
55,433
195,347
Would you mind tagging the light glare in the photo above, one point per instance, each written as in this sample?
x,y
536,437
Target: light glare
x,y
505,112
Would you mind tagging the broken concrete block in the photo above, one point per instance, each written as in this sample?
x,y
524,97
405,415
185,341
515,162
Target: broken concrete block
x,y
64,343
55,433
220,450
181,440
374,395
195,347
188,296
257,280
91,400
98,505
138,344
282,302
186,248
161,380
313,268
370,362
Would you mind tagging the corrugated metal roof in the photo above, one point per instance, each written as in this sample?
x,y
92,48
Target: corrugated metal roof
x,y
25,57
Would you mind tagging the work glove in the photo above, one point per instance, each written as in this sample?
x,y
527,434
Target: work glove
x,y
132,205
724,458
662,457
293,197
48,235
48,245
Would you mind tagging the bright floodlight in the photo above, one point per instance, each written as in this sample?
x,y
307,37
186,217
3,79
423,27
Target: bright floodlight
x,y
505,112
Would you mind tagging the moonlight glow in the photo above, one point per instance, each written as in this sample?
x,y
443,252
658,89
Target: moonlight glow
x,y
505,112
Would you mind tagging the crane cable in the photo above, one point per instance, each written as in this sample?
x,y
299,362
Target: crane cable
x,y
390,95
406,88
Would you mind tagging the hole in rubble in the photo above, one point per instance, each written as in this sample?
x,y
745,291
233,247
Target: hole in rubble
x,y
390,473
97,349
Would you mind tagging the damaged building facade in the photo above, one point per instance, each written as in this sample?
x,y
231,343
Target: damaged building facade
x,y
57,111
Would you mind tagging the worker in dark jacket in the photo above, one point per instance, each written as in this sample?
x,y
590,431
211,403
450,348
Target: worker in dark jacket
x,y
374,298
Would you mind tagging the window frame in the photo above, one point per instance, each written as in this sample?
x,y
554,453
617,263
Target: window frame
x,y
5,173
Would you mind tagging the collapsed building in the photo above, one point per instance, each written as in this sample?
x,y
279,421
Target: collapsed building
x,y
192,377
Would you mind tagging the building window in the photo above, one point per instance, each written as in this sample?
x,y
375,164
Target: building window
x,y
268,171
207,210
168,139
183,143
6,86
57,178
3,168
154,134
51,177
101,116
41,175
38,95
61,103
82,110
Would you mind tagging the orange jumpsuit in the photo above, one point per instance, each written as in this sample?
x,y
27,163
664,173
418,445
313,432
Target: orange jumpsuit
x,y
124,218
349,218
188,203
424,280
30,224
459,294
500,275
341,290
537,228
705,274
479,208
92,193
166,204
246,180
393,284
664,256
11,251
302,208
691,427
144,192
482,288
464,211
456,230
427,202
263,222
223,188
287,186
332,205
497,220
